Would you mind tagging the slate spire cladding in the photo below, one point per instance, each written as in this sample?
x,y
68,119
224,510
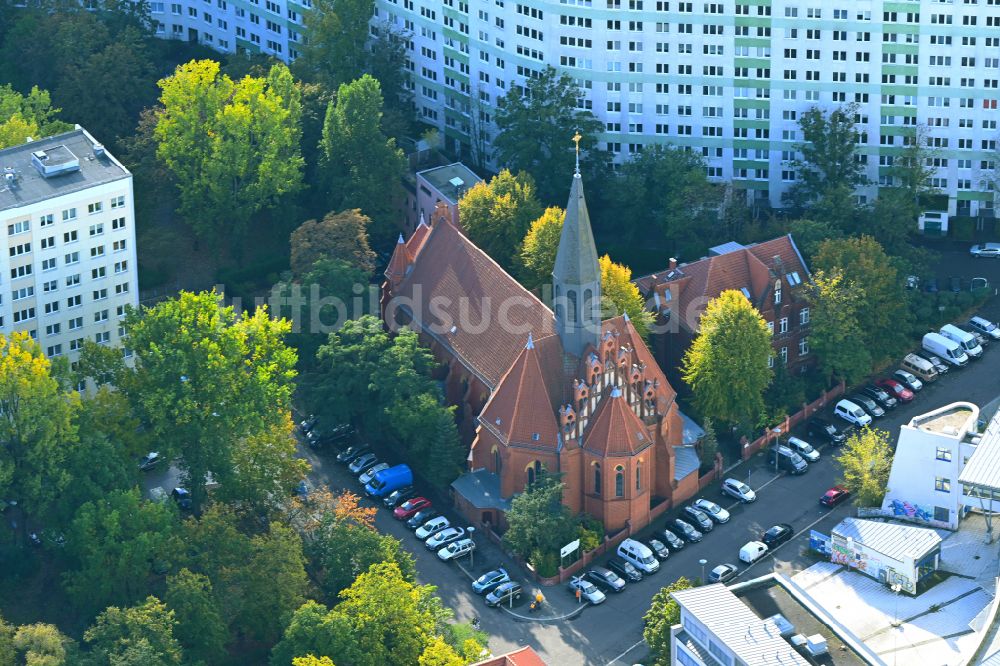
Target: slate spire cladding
x,y
576,277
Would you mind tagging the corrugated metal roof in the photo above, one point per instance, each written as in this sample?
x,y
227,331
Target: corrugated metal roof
x,y
983,468
692,432
686,461
890,539
755,642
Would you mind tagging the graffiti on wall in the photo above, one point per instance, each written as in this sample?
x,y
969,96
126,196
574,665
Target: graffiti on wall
x,y
913,511
843,555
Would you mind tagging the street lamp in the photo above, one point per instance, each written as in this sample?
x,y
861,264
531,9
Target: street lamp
x,y
746,456
777,442
472,553
702,562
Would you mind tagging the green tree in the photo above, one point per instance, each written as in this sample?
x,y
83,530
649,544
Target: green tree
x,y
199,626
439,653
362,167
663,614
884,319
314,630
834,304
497,215
538,521
7,654
427,435
311,660
865,464
726,365
205,379
22,117
539,247
709,443
666,185
810,234
231,146
535,128
148,627
117,544
911,171
619,294
342,235
827,168
36,427
43,645
336,50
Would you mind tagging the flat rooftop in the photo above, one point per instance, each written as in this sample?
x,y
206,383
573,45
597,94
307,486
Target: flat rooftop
x,y
773,599
30,187
953,420
441,179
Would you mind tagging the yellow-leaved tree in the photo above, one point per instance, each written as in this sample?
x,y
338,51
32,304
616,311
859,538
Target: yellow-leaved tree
x,y
619,295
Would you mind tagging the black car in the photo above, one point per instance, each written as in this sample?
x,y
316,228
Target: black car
x,y
625,569
505,593
183,498
421,517
685,530
866,403
821,429
659,548
339,433
880,396
673,541
699,518
777,535
397,497
351,452
308,424
605,578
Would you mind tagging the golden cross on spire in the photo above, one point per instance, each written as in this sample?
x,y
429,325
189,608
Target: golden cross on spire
x,y
576,140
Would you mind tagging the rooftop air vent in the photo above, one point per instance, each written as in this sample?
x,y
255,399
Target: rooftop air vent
x,y
55,161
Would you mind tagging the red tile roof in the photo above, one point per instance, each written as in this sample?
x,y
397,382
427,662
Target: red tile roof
x,y
615,430
521,657
461,297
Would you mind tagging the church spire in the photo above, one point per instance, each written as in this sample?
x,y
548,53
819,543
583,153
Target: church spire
x,y
576,276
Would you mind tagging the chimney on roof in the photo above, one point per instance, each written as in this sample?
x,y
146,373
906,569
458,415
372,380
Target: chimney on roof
x,y
778,266
672,264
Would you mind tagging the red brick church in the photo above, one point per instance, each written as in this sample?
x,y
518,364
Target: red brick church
x,y
541,390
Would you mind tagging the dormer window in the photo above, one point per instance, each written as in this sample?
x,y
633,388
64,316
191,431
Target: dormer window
x,y
794,279
746,292
777,292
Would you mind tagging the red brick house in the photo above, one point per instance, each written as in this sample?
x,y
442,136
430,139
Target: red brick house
x,y
770,274
540,389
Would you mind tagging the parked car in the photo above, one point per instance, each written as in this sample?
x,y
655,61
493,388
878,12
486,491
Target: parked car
x,y
588,591
420,517
985,327
307,424
803,448
456,549
149,461
712,510
884,400
504,593
777,535
934,360
868,404
752,551
397,497
982,340
834,496
852,413
362,463
895,389
785,458
370,473
638,555
722,573
908,380
674,542
625,569
606,579
411,507
490,580
351,453
739,490
183,498
432,527
931,285
684,530
919,367
699,518
821,429
659,549
444,537
985,251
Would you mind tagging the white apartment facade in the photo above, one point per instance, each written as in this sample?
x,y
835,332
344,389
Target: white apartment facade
x,y
727,78
70,269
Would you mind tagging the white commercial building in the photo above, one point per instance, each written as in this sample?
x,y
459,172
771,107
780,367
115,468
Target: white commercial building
x,y
70,270
890,553
944,467
728,78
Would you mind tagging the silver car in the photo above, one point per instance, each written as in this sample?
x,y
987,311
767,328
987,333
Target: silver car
x,y
804,449
714,511
985,250
444,537
739,490
588,591
432,527
370,473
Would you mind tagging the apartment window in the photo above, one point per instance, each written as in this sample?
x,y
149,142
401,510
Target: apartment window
x,y
53,329
75,323
121,288
23,292
118,246
96,229
20,272
783,325
69,214
53,350
121,266
100,316
76,344
49,286
21,248
48,264
46,220
943,453
51,308
118,202
72,258
48,242
777,293
102,338
98,273
803,346
97,251
942,484
73,280
24,315
770,327
18,227
783,353
74,301
95,207
70,237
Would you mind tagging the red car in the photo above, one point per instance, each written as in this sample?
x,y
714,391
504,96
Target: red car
x,y
834,496
410,507
894,388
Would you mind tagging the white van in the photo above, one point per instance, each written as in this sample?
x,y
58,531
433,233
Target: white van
x,y
949,350
970,345
752,551
853,414
639,554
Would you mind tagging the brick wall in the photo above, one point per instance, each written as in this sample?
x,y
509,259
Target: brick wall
x,y
790,422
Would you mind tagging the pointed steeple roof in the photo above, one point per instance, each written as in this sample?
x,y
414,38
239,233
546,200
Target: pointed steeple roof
x,y
615,430
399,263
576,259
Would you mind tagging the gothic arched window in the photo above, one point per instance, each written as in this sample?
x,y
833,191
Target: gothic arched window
x,y
619,481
